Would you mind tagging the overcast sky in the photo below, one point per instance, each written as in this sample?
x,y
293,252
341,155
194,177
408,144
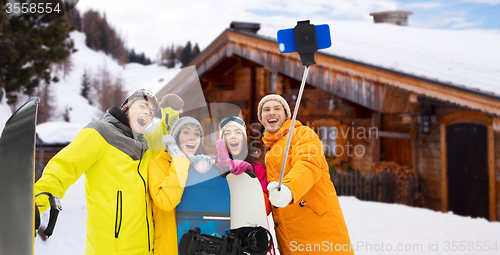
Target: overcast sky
x,y
147,25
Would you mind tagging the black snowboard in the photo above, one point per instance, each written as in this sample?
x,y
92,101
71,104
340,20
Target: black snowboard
x,y
17,178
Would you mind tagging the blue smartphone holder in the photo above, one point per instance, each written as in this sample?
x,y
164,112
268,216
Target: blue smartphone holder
x,y
305,39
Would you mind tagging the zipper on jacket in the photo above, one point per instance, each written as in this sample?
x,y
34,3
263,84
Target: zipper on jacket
x,y
146,191
118,219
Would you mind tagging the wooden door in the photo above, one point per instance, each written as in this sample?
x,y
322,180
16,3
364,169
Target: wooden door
x,y
467,169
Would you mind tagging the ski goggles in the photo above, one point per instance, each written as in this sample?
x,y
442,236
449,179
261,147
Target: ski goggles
x,y
142,94
231,117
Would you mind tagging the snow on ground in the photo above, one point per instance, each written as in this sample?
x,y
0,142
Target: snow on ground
x,y
374,228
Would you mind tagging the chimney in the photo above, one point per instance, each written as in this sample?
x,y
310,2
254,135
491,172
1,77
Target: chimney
x,y
399,18
245,27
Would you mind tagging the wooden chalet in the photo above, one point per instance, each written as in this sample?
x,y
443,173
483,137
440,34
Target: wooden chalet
x,y
445,134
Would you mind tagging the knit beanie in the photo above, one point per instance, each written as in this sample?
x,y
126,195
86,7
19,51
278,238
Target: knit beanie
x,y
180,123
232,119
273,97
141,94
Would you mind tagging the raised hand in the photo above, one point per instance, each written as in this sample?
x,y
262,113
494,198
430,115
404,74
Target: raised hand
x,y
172,147
170,106
224,162
201,163
240,166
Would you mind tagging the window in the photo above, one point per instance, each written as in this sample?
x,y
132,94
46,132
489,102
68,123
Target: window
x,y
328,136
333,136
273,81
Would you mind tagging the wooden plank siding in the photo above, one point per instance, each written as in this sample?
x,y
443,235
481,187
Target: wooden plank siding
x,y
396,149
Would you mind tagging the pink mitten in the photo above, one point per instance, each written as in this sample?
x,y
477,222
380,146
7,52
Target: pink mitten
x,y
224,162
240,166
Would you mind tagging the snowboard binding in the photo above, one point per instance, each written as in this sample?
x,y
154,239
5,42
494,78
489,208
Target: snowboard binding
x,y
244,240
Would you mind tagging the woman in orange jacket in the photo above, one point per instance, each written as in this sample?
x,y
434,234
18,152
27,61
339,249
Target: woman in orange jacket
x,y
307,214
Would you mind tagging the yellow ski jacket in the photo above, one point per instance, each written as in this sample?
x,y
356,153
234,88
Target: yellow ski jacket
x,y
115,163
167,179
313,222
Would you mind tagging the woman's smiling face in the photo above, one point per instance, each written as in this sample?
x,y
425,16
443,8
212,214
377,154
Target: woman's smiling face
x,y
189,139
233,137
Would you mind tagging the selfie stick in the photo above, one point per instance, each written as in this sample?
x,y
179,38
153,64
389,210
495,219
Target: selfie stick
x,y
292,124
305,39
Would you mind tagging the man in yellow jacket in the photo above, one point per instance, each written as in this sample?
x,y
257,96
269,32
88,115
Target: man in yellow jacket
x,y
114,155
307,214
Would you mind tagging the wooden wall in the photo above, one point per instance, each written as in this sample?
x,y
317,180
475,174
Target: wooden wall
x,y
396,149
360,140
497,170
45,153
429,167
251,83
429,157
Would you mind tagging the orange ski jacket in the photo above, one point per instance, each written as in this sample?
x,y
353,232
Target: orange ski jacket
x,y
313,223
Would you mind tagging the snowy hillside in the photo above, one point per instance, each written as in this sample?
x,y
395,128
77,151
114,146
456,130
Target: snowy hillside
x,y
5,112
66,93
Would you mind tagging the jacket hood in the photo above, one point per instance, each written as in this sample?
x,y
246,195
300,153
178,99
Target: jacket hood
x,y
270,138
119,115
119,119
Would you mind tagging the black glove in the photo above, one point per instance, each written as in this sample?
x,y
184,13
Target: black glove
x,y
37,218
55,208
173,101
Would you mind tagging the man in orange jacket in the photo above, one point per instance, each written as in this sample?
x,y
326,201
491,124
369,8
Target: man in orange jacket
x,y
307,214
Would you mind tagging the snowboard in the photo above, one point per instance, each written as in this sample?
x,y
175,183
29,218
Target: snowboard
x,y
17,179
205,204
248,208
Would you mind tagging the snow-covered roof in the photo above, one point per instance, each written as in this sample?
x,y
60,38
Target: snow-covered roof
x,y
467,59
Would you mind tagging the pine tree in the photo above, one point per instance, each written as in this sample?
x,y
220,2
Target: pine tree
x,y
138,58
186,55
100,35
171,58
195,52
74,17
27,54
131,56
85,85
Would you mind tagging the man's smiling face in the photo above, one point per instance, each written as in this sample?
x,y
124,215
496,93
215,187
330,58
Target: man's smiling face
x,y
140,115
273,116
